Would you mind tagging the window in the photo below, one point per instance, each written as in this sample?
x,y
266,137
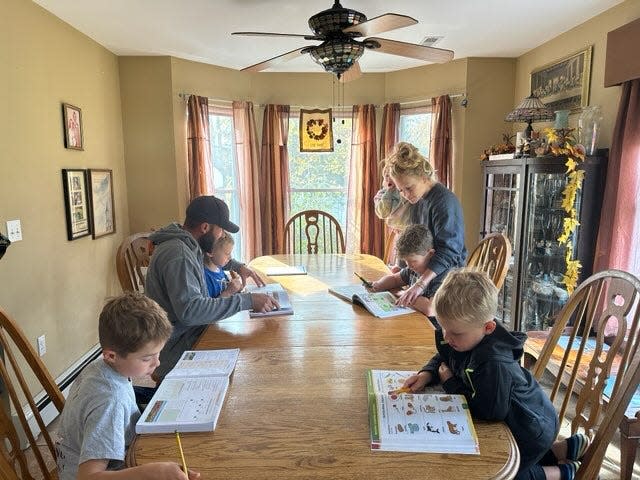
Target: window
x,y
319,181
415,128
224,166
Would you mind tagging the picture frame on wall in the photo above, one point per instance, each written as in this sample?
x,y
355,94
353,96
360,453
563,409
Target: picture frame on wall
x,y
564,84
76,201
72,121
101,199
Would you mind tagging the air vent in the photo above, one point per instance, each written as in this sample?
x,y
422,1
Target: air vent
x,y
431,40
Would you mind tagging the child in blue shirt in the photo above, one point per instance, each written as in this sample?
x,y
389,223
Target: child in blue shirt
x,y
217,282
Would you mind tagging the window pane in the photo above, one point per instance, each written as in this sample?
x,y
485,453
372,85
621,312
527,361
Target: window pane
x,y
415,128
318,181
224,169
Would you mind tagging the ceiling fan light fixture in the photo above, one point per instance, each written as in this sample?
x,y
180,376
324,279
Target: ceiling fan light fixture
x,y
337,56
334,19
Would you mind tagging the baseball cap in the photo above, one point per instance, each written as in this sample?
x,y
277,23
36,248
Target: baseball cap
x,y
210,209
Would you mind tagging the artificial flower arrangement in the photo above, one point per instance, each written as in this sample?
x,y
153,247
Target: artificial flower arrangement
x,y
505,147
562,142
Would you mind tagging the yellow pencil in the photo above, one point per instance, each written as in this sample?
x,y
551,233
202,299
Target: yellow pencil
x,y
184,462
401,390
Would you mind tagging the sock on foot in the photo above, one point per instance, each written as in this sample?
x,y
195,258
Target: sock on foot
x,y
576,446
568,470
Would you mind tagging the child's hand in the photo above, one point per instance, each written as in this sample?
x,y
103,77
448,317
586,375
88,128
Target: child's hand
x,y
445,372
168,471
417,382
395,269
235,284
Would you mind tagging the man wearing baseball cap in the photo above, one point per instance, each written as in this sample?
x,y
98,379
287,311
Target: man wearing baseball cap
x,y
175,277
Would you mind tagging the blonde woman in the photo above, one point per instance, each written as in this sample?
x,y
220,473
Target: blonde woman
x,y
434,206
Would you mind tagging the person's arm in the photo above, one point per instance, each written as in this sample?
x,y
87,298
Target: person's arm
x,y
97,470
244,271
413,293
447,225
424,305
388,282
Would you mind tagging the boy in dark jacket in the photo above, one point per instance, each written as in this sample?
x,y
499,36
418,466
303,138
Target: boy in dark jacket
x,y
478,358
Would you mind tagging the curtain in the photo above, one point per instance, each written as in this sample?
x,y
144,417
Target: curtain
x,y
364,229
248,156
441,156
198,147
618,241
274,178
388,138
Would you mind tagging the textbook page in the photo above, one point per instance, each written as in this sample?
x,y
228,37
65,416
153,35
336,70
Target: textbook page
x,y
185,405
200,363
286,270
278,293
420,422
381,304
346,292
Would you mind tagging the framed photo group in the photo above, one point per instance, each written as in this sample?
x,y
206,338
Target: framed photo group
x,y
88,198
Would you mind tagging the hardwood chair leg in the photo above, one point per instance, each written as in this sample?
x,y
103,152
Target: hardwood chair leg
x,y
628,448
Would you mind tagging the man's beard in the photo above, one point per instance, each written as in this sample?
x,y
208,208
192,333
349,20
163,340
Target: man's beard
x,y
206,241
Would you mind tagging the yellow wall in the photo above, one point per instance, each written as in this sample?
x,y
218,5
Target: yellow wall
x,y
49,285
592,32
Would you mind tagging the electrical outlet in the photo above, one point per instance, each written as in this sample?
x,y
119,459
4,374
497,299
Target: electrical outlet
x,y
42,345
14,230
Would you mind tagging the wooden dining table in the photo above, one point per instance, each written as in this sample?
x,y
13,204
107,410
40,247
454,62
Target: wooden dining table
x,y
296,407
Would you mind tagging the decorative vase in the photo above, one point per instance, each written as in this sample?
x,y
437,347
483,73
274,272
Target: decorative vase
x,y
562,119
589,128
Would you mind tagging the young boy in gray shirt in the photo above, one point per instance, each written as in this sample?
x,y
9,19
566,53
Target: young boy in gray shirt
x,y
98,421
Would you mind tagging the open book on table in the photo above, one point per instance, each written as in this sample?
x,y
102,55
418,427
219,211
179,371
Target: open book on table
x,y
278,293
286,270
417,422
379,304
190,397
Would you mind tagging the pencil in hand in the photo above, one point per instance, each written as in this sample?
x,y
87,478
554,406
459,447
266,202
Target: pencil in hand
x,y
184,462
400,390
364,281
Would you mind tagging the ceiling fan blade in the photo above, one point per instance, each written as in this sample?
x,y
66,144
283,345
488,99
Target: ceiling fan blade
x,y
411,50
272,62
382,23
352,74
270,34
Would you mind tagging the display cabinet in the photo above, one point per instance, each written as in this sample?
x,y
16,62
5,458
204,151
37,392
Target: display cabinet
x,y
522,198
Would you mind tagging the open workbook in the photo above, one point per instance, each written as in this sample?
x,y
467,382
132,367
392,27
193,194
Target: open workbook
x,y
278,293
286,270
417,422
190,397
379,304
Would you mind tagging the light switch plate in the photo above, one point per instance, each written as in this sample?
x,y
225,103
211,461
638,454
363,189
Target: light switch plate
x,y
14,230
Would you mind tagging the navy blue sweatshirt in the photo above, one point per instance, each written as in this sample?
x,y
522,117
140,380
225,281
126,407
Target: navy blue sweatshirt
x,y
498,388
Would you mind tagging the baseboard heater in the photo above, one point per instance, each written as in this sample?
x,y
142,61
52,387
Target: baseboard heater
x,y
47,409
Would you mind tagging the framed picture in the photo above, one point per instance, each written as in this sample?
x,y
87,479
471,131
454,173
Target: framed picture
x,y
103,218
76,202
72,119
316,131
564,84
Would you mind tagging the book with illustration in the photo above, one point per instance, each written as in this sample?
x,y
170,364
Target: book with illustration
x,y
417,422
190,397
379,304
278,293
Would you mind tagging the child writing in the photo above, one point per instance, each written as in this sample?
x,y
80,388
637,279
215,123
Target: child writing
x,y
391,207
478,358
415,247
214,275
98,420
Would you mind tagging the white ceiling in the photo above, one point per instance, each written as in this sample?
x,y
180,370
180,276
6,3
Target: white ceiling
x,y
200,30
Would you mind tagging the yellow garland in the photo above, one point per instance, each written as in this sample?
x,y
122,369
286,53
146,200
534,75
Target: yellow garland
x,y
562,142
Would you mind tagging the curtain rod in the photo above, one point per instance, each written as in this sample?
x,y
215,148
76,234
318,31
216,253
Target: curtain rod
x,y
185,97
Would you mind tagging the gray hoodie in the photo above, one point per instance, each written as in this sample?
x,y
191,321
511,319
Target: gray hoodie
x,y
175,280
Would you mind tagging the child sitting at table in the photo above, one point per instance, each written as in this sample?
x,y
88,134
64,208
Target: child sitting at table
x,y
97,424
214,275
391,207
415,247
478,358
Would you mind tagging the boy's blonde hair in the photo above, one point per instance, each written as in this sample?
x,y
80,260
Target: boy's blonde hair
x,y
414,240
406,159
225,239
131,321
466,295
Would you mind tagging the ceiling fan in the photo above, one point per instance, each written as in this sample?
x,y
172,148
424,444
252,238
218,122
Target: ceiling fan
x,y
337,28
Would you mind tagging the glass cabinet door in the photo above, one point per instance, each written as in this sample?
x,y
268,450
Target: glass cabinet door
x,y
543,262
501,203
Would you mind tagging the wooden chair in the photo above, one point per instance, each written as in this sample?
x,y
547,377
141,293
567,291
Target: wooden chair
x,y
583,364
492,255
132,260
22,367
313,231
